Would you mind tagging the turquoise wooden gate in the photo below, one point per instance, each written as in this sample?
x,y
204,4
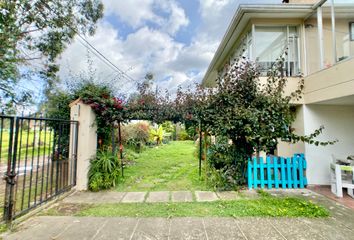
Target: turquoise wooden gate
x,y
277,172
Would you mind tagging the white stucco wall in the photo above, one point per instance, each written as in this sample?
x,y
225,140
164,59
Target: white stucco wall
x,y
87,141
339,124
286,149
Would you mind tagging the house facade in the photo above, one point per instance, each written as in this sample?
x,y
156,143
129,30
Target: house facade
x,y
319,38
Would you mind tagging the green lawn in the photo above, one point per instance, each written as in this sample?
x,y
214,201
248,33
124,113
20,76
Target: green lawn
x,y
26,139
169,167
261,207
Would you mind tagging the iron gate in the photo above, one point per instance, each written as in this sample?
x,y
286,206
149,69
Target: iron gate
x,y
37,162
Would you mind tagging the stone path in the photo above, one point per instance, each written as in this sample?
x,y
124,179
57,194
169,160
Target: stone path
x,y
181,228
150,197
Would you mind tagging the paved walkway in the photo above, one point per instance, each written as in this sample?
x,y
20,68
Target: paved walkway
x,y
346,200
152,197
182,228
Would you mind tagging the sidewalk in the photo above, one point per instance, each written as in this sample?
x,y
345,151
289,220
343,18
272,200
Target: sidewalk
x,y
181,228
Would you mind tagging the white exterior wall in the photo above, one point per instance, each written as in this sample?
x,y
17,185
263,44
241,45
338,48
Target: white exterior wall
x,y
339,124
286,149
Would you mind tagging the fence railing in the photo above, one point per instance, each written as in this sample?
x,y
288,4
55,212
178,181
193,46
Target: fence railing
x,y
37,162
277,172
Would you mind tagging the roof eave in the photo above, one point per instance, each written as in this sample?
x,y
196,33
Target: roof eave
x,y
243,9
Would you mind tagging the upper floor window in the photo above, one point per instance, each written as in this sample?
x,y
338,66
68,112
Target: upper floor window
x,y
271,42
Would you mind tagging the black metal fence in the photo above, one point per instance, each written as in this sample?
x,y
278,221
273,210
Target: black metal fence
x,y
37,162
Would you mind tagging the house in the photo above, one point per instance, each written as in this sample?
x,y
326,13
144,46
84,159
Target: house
x,y
319,36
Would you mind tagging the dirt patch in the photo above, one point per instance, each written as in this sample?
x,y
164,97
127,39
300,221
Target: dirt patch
x,y
65,209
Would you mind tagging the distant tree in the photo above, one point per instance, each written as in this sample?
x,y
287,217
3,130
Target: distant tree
x,y
39,31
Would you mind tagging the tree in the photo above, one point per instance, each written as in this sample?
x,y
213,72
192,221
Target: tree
x,y
254,114
39,31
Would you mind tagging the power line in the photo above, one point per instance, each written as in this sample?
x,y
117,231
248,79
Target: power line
x,y
97,53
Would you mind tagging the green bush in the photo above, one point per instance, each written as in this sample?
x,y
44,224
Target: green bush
x,y
136,135
168,127
225,171
183,135
104,171
157,135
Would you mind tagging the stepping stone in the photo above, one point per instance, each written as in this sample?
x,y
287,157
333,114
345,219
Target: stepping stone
x,y
158,197
182,196
134,197
228,195
84,197
111,197
205,196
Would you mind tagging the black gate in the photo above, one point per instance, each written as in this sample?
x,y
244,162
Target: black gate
x,y
37,162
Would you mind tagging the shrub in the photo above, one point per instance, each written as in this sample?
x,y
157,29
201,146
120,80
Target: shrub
x,y
136,135
157,135
192,132
104,171
168,127
225,172
183,135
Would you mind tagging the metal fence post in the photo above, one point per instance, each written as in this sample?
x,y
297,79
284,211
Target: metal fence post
x,y
11,170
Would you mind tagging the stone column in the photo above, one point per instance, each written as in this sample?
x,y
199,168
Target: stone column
x,y
87,140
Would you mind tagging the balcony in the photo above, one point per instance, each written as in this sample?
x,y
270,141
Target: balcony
x,y
333,85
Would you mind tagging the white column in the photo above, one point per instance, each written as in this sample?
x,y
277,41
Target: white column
x,y
320,36
87,140
334,40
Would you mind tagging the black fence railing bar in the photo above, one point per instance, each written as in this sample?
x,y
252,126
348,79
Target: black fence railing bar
x,y
40,156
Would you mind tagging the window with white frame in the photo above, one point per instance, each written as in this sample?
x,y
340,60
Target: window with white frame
x,y
244,48
271,42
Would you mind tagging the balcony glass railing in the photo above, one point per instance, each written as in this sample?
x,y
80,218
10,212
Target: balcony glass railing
x,y
329,34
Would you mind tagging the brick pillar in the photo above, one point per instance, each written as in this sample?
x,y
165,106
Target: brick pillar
x,y
87,140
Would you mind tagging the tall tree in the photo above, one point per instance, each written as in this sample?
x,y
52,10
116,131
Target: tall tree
x,y
39,31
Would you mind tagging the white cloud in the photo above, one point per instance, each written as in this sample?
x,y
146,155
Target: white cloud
x,y
177,17
137,12
153,49
216,16
133,12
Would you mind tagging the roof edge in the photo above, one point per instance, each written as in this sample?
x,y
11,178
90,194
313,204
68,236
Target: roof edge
x,y
236,19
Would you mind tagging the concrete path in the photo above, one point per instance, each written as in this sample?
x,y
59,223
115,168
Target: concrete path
x,y
151,197
181,228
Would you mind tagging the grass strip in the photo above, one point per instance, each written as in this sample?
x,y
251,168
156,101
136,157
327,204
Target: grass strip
x,y
262,207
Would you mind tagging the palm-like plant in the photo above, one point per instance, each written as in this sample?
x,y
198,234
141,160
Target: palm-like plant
x,y
157,134
104,171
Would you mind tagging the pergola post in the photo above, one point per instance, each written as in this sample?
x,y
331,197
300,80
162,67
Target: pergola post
x,y
200,148
120,148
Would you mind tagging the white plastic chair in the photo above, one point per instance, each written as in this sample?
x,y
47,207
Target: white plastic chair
x,y
342,176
